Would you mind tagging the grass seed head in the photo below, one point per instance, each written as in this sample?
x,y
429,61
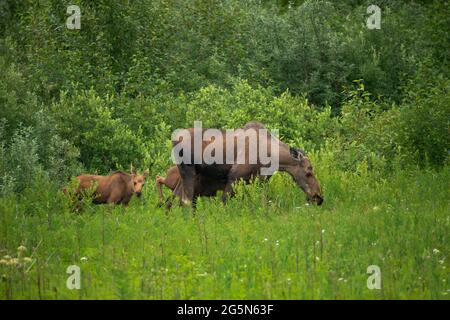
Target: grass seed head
x,y
27,260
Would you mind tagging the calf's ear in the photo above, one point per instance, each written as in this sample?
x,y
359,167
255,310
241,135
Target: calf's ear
x,y
146,173
132,169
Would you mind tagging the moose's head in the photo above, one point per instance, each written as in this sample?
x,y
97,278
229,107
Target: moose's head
x,y
138,180
303,174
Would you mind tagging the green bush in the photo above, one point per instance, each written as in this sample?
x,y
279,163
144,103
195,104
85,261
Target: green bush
x,y
415,132
105,142
20,162
297,121
34,152
17,103
424,122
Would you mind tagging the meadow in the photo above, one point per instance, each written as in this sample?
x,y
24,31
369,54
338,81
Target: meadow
x,y
266,243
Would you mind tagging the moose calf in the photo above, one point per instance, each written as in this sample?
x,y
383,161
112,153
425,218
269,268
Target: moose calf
x,y
117,188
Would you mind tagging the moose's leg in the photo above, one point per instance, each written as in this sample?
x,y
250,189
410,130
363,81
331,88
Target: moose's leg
x,y
118,194
114,199
228,191
185,190
125,201
237,172
169,201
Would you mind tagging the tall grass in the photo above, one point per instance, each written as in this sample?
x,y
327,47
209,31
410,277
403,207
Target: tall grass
x,y
264,244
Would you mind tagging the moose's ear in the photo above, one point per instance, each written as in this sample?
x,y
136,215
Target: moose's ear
x,y
132,169
293,152
146,173
301,154
296,153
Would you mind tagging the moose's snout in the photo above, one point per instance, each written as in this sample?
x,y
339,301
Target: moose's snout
x,y
317,199
138,194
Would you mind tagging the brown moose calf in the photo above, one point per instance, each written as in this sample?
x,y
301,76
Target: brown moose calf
x,y
117,188
170,181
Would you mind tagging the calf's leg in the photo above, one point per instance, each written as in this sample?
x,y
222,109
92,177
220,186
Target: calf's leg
x,y
160,180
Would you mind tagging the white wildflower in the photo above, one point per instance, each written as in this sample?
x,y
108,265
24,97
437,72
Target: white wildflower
x,y
13,261
202,274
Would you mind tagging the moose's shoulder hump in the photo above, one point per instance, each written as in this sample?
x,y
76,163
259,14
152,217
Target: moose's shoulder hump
x,y
254,124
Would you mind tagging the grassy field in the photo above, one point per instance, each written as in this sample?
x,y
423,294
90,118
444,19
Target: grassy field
x,y
264,244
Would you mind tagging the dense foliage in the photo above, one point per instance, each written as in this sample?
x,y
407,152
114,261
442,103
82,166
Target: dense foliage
x,y
111,93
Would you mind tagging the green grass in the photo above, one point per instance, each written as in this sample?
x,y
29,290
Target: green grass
x,y
264,244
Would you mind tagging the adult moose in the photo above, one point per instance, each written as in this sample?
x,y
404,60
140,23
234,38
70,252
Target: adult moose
x,y
117,188
246,162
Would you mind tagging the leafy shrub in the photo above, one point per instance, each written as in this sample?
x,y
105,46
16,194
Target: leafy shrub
x,y
58,156
297,121
20,162
105,143
17,104
35,152
415,132
424,123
